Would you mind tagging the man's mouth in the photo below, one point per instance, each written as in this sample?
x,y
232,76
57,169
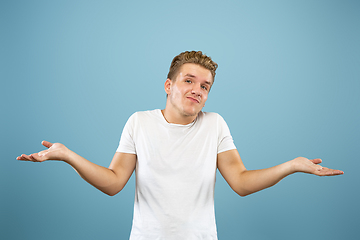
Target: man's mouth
x,y
193,99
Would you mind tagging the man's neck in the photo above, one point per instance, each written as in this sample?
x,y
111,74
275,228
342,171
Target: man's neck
x,y
177,118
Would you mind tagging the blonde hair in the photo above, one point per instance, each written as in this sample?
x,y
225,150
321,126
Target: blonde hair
x,y
191,57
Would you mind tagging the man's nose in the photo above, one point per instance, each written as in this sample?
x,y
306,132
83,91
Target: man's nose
x,y
196,89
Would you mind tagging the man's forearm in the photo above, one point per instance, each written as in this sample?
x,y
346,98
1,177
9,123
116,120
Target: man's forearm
x,y
251,181
109,180
256,180
100,177
245,182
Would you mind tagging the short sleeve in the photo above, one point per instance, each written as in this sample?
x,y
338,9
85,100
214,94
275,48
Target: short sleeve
x,y
225,140
127,144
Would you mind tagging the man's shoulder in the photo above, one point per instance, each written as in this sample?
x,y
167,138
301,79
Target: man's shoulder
x,y
210,115
213,118
145,114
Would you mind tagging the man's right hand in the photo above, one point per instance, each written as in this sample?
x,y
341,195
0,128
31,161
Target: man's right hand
x,y
55,151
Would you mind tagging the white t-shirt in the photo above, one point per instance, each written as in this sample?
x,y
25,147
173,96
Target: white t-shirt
x,y
175,174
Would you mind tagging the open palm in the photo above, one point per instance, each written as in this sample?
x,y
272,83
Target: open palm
x,y
55,151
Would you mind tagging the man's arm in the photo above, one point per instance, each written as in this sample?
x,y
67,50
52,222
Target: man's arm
x,y
245,182
108,180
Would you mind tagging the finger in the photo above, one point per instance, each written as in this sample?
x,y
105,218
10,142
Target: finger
x,y
33,158
47,144
329,172
22,157
334,172
36,158
338,172
25,157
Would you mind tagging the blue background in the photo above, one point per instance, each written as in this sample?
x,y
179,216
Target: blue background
x,y
288,85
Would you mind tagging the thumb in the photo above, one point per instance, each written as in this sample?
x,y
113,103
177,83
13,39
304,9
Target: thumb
x,y
47,144
316,160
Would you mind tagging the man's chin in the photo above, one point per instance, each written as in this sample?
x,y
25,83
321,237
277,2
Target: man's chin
x,y
192,113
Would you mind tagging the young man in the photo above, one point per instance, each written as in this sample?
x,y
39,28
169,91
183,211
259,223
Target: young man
x,y
175,153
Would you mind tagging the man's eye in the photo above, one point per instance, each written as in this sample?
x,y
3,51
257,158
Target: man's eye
x,y
188,81
204,87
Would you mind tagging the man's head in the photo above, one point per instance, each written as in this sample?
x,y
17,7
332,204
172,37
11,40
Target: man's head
x,y
187,87
191,57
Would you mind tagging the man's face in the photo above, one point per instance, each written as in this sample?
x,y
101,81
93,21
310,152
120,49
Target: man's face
x,y
188,93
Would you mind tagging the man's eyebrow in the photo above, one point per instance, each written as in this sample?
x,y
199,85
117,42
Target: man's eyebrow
x,y
189,75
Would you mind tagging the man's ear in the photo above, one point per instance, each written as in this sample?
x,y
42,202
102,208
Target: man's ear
x,y
167,86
